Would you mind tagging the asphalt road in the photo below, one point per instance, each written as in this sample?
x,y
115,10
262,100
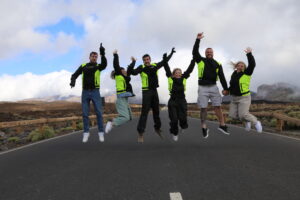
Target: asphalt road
x,y
244,165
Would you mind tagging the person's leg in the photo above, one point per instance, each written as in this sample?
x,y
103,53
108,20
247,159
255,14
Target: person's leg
x,y
96,99
243,111
129,109
233,108
182,113
122,108
203,103
155,110
172,109
216,100
85,104
146,105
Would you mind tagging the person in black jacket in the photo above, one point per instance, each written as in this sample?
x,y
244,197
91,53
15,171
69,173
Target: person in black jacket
x,y
240,92
148,72
90,91
209,71
177,105
124,90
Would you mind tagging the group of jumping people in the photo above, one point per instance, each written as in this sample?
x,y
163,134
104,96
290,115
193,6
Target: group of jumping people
x,y
209,72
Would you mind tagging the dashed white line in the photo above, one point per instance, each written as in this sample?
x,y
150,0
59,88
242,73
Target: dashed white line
x,y
175,196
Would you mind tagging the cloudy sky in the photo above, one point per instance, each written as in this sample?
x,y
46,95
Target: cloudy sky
x,y
43,42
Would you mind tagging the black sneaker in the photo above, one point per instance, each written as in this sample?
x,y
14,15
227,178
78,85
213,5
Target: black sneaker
x,y
224,129
205,132
158,131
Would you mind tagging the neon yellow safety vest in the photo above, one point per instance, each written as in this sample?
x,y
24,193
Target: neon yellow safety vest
x,y
170,83
97,77
120,84
201,67
244,83
144,77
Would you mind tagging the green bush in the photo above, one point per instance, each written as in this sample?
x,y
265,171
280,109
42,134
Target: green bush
x,y
40,134
295,114
13,139
79,126
69,128
273,122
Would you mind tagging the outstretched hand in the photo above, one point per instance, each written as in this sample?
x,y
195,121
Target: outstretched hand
x,y
115,51
173,50
200,35
248,50
133,59
72,84
165,57
102,50
225,92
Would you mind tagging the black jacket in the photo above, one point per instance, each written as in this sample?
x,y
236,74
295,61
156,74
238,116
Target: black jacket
x,y
209,75
89,73
178,87
235,77
118,72
151,72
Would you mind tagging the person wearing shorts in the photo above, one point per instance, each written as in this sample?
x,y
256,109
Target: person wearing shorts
x,y
209,72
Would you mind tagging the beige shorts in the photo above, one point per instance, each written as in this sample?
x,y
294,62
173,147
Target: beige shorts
x,y
206,93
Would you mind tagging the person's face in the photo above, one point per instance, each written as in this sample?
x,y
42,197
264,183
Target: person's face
x,y
124,72
177,74
240,67
147,60
93,58
209,53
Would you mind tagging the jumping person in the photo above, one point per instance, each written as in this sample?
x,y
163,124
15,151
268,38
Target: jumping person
x,y
177,105
148,72
240,92
124,90
209,71
90,91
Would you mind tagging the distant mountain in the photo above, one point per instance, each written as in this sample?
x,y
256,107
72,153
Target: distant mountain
x,y
278,92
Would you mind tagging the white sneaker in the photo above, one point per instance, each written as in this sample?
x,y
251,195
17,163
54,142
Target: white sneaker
x,y
109,126
258,127
85,137
248,126
101,136
175,138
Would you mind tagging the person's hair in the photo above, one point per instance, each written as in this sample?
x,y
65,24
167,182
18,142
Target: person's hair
x,y
93,53
234,64
208,48
113,73
174,71
146,55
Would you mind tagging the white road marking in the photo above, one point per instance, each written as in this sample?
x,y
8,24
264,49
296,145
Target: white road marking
x,y
175,196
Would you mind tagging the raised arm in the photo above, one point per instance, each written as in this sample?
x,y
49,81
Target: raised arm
x,y
103,63
131,66
136,71
75,75
251,61
166,65
116,63
189,70
165,58
222,78
196,54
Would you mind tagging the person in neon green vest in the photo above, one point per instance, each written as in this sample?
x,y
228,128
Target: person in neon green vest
x,y
209,72
240,92
177,105
90,73
124,91
148,72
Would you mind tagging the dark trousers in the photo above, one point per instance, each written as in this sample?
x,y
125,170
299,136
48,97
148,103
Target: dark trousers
x,y
177,112
150,100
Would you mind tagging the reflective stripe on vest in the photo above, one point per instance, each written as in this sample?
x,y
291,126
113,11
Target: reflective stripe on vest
x,y
120,84
144,77
170,84
245,84
201,67
96,78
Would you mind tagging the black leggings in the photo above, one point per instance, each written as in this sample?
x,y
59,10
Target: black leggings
x,y
177,112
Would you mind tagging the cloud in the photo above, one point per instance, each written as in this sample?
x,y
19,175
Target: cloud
x,y
271,28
